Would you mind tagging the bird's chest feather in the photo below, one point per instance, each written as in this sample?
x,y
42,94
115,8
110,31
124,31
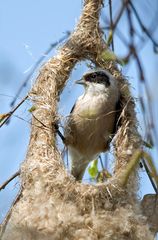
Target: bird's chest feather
x,y
91,122
91,107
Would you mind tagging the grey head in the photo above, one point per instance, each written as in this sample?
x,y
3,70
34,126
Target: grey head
x,y
98,79
99,76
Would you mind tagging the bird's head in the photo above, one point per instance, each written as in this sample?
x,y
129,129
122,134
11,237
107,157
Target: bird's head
x,y
97,80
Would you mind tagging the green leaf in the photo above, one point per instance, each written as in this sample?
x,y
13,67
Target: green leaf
x,y
93,169
103,175
100,177
122,61
33,108
110,37
108,56
111,56
148,144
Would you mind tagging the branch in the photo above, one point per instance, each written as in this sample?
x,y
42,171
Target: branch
x,y
149,176
12,111
111,23
9,180
6,220
46,183
53,45
135,159
119,15
144,29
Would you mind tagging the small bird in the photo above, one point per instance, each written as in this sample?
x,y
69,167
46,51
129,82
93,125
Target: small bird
x,y
91,123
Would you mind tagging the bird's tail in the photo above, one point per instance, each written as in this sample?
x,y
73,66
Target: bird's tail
x,y
78,168
78,163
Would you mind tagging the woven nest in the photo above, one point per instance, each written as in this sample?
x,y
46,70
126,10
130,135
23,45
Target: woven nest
x,y
52,204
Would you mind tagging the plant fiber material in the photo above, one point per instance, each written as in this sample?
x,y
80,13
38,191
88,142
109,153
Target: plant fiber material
x,y
52,204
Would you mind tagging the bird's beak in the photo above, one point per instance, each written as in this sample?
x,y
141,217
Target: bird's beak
x,y
81,81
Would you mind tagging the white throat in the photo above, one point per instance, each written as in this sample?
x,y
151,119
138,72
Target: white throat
x,y
94,89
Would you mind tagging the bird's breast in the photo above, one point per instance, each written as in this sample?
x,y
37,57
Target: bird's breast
x,y
90,107
90,125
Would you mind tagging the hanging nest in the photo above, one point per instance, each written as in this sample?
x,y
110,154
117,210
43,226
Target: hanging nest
x,y
52,204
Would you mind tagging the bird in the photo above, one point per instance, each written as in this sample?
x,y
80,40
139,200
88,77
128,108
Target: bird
x,y
90,126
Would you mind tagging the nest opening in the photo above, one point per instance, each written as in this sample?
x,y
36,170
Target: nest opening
x,y
105,164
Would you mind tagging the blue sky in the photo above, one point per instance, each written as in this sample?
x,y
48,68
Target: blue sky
x,y
27,28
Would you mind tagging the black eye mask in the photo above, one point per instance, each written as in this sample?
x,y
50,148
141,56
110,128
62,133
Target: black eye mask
x,y
98,77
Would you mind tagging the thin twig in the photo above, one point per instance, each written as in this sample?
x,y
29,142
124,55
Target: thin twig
x,y
12,111
133,52
56,128
119,15
101,162
37,64
142,78
111,23
39,121
139,65
5,222
131,26
31,124
144,29
149,176
9,180
59,133
152,124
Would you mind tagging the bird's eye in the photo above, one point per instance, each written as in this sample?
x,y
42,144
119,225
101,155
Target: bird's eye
x,y
103,78
88,78
93,75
